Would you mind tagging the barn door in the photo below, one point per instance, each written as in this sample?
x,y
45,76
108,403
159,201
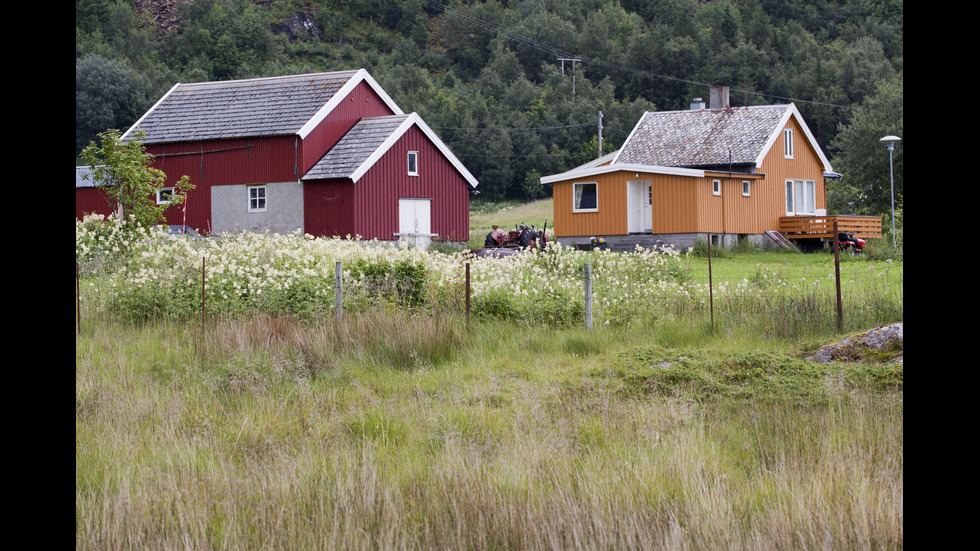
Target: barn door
x,y
415,222
638,205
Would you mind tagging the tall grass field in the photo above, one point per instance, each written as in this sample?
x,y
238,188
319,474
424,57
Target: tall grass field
x,y
221,404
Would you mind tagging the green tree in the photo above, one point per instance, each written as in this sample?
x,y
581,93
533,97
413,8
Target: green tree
x,y
863,160
122,170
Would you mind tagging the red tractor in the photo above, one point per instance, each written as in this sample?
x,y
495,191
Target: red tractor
x,y
501,243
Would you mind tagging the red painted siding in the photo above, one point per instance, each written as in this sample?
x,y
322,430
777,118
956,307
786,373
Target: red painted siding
x,y
89,200
328,208
378,191
360,103
223,162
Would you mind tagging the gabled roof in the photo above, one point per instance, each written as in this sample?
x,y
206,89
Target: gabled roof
x,y
274,106
689,142
711,137
367,141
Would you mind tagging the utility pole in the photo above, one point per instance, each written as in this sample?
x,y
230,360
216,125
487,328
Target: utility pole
x,y
573,60
600,134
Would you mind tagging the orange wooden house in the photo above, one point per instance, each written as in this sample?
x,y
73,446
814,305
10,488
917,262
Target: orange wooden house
x,y
722,173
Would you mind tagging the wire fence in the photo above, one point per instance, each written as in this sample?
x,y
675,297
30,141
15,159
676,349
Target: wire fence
x,y
601,293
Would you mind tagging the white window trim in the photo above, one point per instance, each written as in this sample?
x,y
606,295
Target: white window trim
x,y
792,197
160,199
413,159
716,187
746,188
264,199
788,143
574,195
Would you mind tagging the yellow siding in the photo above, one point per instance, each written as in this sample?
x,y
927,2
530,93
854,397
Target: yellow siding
x,y
610,219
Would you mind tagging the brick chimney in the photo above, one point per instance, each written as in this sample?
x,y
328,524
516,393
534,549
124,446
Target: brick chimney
x,y
718,98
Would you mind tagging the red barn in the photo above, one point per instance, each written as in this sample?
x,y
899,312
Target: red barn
x,y
329,154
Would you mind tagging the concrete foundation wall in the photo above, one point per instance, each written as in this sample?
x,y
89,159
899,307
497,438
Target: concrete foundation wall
x,y
283,214
678,241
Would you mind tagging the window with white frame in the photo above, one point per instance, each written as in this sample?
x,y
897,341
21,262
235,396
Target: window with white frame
x,y
257,199
801,197
716,187
165,195
788,143
585,196
746,188
413,163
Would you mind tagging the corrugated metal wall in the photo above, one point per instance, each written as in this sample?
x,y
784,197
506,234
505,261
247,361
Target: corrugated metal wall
x,y
373,200
361,102
222,162
328,208
90,200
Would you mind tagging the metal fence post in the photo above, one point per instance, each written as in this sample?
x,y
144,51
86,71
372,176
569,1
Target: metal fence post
x,y
588,296
467,294
339,281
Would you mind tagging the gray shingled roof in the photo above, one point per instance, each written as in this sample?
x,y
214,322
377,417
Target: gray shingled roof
x,y
355,147
702,138
241,108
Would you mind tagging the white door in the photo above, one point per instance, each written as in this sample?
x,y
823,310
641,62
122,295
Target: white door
x,y
415,222
639,207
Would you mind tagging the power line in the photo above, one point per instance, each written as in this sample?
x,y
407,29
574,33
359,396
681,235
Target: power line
x,y
548,49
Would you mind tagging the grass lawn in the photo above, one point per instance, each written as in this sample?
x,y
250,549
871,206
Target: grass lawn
x,y
274,434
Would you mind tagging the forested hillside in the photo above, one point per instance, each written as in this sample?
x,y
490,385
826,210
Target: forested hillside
x,y
488,76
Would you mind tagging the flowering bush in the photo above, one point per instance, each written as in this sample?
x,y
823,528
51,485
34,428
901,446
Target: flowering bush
x,y
144,274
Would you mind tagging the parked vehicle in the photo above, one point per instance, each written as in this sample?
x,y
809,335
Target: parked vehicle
x,y
178,231
501,243
847,242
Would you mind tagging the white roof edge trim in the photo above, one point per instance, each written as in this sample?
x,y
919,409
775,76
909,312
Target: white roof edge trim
x,y
630,137
150,110
606,169
792,111
360,76
412,120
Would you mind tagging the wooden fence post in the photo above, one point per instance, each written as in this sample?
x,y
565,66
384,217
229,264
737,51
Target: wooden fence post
x,y
840,311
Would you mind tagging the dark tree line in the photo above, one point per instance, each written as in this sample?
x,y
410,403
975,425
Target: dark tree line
x,y
488,75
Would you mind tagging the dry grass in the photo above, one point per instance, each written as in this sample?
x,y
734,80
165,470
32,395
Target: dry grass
x,y
274,434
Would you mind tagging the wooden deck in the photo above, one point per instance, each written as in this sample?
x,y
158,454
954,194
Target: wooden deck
x,y
814,227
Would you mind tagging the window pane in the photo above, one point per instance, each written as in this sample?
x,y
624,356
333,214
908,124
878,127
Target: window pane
x,y
585,196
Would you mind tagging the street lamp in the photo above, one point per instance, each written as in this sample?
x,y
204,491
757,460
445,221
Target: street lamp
x,y
890,141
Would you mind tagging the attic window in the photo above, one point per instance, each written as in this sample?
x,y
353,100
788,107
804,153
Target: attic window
x,y
788,143
413,163
585,196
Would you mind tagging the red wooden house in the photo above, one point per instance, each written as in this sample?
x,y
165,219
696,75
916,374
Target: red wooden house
x,y
329,154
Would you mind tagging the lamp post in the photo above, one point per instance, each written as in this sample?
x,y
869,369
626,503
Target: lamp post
x,y
890,141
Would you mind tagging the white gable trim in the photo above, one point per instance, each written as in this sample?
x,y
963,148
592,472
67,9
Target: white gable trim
x,y
150,110
630,137
412,120
360,76
586,172
777,134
